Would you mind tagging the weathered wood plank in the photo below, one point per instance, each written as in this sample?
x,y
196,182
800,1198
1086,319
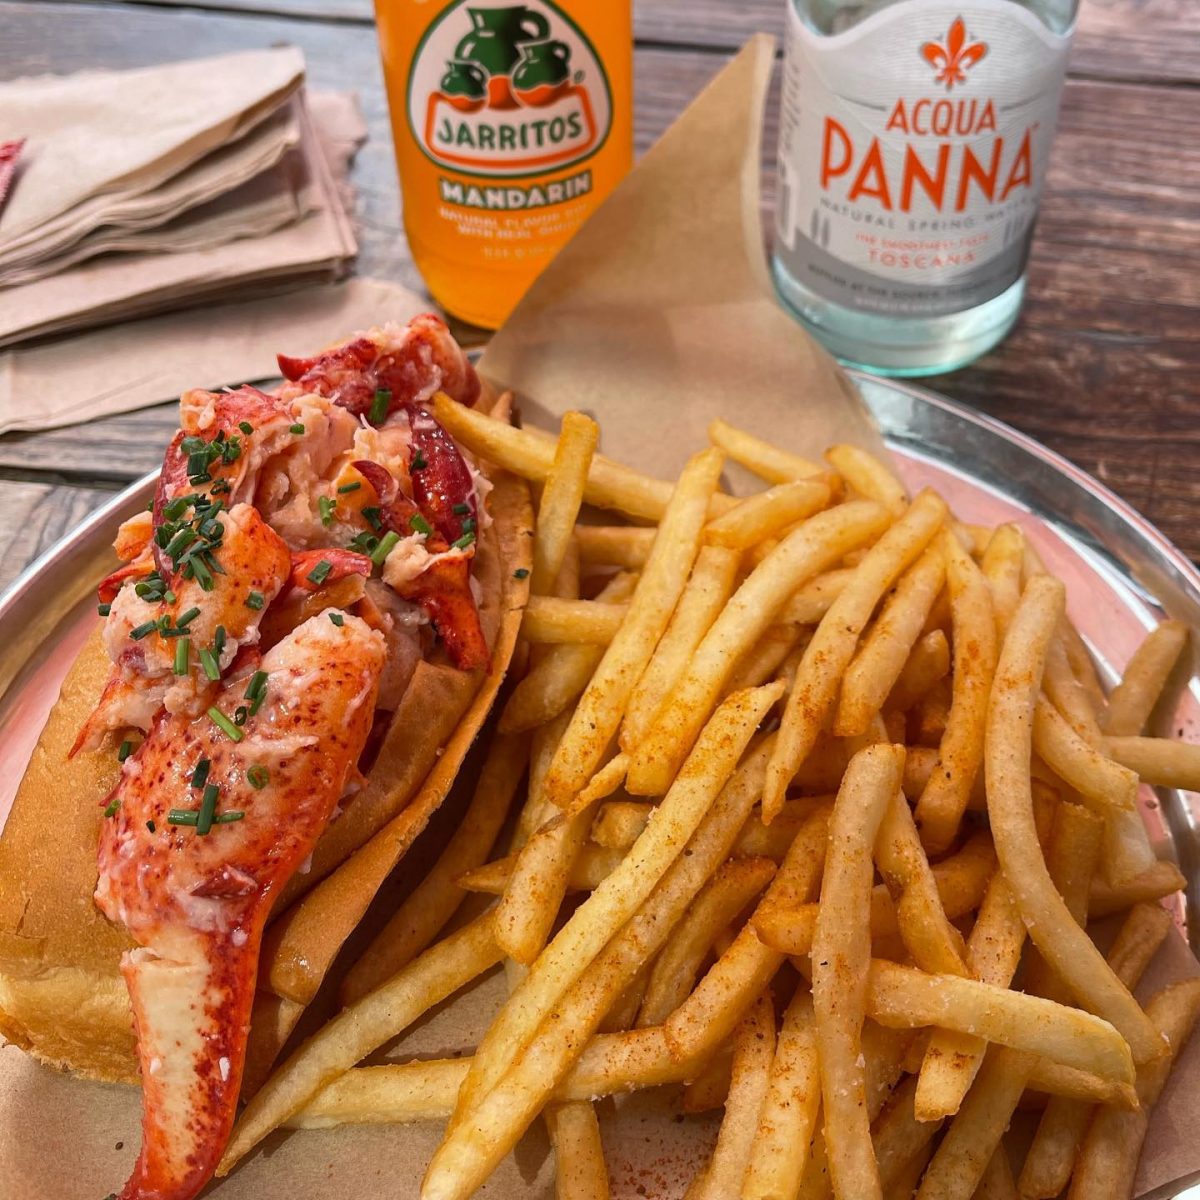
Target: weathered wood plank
x,y
35,516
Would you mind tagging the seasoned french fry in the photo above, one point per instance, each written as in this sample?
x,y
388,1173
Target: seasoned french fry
x,y
766,514
614,545
810,602
819,543
753,1050
788,1115
579,1170
868,477
436,898
726,894
1159,881
1100,782
904,997
944,800
618,823
363,1027
928,663
997,1182
898,1137
1159,761
1133,699
1001,567
710,1087
767,461
887,646
1062,943
561,498
766,657
603,702
832,646
561,675
576,622
707,590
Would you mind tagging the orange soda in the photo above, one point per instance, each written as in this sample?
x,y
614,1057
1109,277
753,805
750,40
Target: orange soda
x,y
511,124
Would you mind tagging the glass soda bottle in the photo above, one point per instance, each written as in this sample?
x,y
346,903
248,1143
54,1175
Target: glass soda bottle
x,y
511,123
913,147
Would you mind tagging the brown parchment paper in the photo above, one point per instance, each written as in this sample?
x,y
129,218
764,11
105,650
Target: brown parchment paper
x,y
657,317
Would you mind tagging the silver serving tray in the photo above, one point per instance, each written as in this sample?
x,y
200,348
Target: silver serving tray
x,y
1121,574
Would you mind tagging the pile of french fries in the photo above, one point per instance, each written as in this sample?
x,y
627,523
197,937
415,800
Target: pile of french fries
x,y
822,793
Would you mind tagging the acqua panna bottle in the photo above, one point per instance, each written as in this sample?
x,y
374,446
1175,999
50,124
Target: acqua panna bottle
x,y
914,140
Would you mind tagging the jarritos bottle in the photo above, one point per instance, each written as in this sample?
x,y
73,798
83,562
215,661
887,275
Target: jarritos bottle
x,y
511,124
913,148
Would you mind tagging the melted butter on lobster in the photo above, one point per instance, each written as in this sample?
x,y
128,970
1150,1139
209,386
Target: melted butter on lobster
x,y
305,548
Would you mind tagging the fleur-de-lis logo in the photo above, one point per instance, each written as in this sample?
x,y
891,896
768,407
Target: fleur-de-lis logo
x,y
954,56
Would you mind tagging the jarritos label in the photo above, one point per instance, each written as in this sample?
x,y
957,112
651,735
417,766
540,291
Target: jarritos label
x,y
912,153
506,91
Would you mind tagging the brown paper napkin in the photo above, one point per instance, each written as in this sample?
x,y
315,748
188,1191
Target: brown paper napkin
x,y
317,247
94,139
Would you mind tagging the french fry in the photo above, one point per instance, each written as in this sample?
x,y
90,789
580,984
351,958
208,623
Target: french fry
x,y
997,1182
766,657
903,997
1056,1080
1159,761
1083,666
562,674
431,904
595,922
603,702
623,1015
788,1116
709,1089
766,514
767,461
707,590
928,663
945,798
898,1137
905,1185
614,545
548,619
753,1051
819,543
810,602
886,648
1109,1156
579,1170
364,1026
868,477
841,955
1064,1122
1061,942
593,865
1133,699
619,823
561,498
1101,783
832,646
725,895
1156,883
929,718
1001,567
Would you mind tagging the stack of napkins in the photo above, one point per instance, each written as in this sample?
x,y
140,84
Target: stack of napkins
x,y
141,191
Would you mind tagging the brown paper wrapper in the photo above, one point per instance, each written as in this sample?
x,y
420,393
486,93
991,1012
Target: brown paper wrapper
x,y
657,317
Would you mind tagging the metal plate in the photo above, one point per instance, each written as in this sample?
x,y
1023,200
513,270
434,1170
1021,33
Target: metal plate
x,y
1121,574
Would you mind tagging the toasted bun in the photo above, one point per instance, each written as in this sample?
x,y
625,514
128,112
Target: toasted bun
x,y
62,997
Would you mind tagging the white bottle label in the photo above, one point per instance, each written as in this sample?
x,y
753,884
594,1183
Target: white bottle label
x,y
912,153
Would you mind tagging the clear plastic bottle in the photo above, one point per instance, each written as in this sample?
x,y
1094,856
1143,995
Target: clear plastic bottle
x,y
914,139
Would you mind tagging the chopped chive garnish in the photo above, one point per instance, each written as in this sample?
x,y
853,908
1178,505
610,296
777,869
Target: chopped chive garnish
x,y
463,542
200,774
188,617
468,525
258,777
208,809
183,650
385,547
246,427
219,640
169,596
418,522
240,715
125,751
208,661
182,816
201,572
143,630
364,542
257,685
228,818
373,517
255,600
461,510
320,572
418,462
257,702
325,506
296,429
346,488
174,509
111,810
521,573
104,609
151,826
223,723
380,405
337,619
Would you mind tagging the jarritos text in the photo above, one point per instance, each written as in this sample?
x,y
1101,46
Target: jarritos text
x,y
507,91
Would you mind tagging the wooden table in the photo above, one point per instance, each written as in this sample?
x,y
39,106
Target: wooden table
x,y
1104,366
